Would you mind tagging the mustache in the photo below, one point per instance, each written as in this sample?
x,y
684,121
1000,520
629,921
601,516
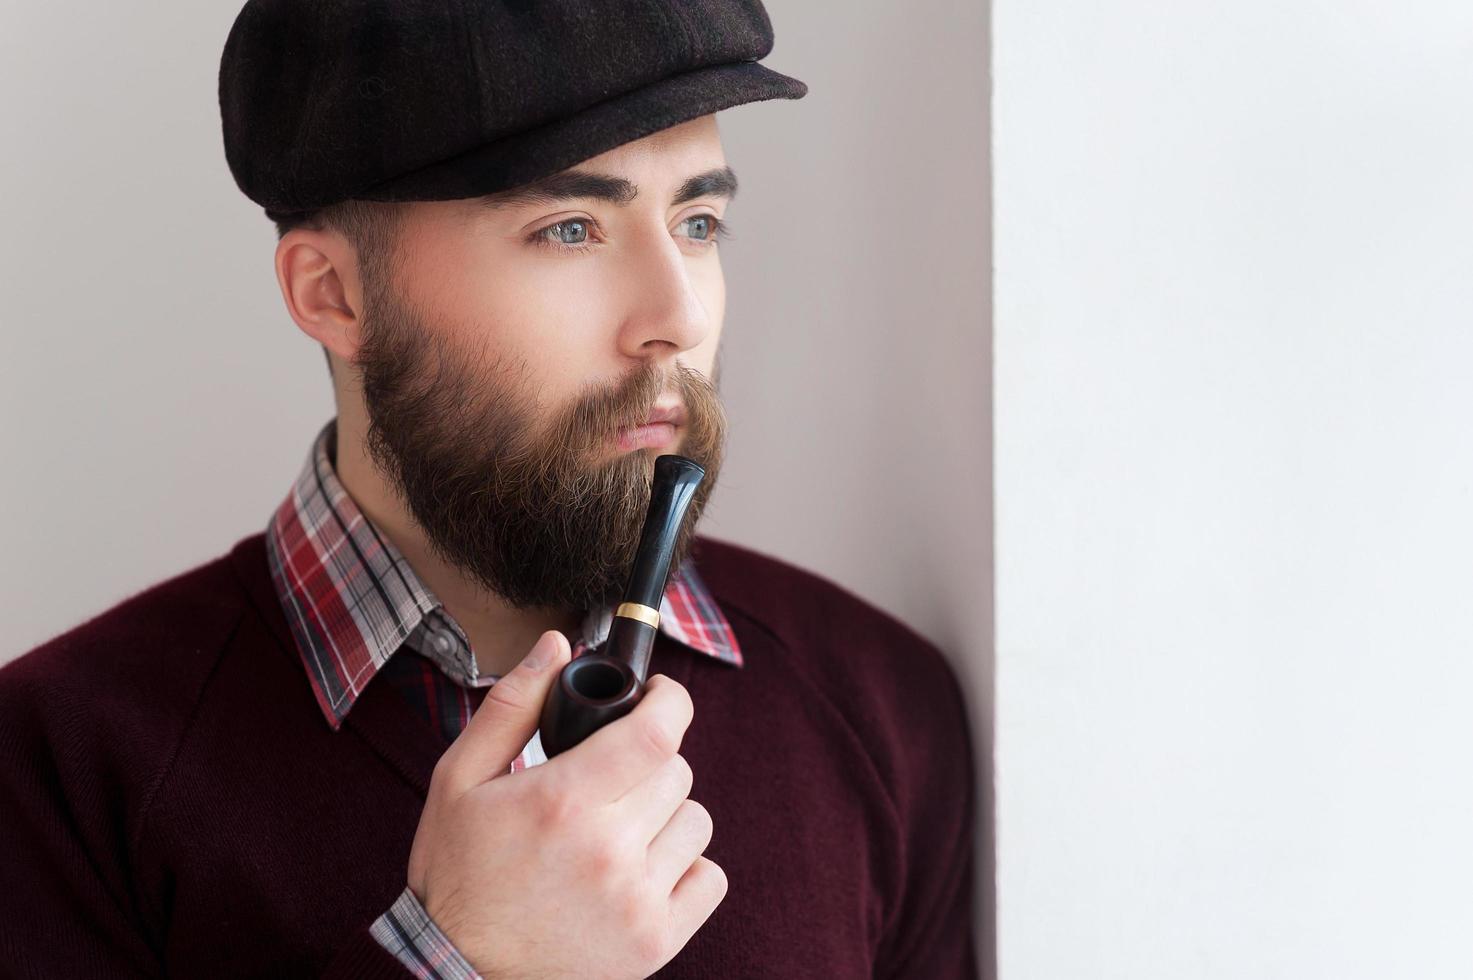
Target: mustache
x,y
600,414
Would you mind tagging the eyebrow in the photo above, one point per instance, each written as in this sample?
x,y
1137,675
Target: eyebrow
x,y
575,184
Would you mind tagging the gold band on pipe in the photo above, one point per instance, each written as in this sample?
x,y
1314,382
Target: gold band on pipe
x,y
639,611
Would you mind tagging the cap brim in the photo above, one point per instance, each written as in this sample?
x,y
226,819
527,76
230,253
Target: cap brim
x,y
514,160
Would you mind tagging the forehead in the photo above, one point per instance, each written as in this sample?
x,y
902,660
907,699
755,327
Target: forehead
x,y
694,141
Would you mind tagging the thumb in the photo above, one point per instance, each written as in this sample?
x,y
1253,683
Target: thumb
x,y
507,717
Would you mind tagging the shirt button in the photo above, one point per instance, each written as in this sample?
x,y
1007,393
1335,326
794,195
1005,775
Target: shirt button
x,y
443,642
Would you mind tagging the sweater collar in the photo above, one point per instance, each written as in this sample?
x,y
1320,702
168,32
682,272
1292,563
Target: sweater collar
x,y
353,601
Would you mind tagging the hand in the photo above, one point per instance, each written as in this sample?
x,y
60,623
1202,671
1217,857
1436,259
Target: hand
x,y
588,865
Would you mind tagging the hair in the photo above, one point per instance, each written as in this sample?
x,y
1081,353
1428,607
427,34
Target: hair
x,y
371,227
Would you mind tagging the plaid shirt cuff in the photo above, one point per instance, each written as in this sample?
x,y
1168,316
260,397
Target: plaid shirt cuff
x,y
407,931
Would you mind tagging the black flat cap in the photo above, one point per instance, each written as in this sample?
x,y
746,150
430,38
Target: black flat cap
x,y
399,100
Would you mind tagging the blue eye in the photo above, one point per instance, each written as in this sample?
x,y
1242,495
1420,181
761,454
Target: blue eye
x,y
568,235
574,231
572,234
711,228
705,222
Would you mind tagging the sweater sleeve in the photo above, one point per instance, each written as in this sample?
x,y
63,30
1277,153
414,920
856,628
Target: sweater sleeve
x,y
932,935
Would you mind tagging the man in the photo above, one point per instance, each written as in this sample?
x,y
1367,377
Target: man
x,y
318,753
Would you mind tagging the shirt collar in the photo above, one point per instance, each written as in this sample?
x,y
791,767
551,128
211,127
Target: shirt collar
x,y
353,601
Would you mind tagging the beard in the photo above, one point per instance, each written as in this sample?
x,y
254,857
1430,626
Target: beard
x,y
534,506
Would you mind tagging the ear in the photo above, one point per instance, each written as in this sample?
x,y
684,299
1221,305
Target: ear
x,y
318,275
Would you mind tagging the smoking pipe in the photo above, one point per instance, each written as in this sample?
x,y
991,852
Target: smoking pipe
x,y
607,681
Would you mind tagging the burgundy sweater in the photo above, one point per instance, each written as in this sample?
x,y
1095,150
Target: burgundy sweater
x,y
172,801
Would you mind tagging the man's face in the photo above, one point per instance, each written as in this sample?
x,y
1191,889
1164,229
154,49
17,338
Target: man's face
x,y
518,337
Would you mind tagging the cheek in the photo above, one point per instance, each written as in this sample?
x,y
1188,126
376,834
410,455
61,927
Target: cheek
x,y
536,323
552,320
710,287
702,357
557,305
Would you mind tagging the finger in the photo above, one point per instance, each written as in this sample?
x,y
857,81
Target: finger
x,y
695,897
623,753
648,806
506,719
677,846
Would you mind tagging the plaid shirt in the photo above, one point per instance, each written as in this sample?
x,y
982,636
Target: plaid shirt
x,y
353,602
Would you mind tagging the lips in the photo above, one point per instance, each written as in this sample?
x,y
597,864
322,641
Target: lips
x,y
673,412
658,429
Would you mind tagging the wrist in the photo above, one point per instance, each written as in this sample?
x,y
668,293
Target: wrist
x,y
416,938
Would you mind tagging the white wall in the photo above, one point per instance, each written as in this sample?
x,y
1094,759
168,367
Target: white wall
x,y
1234,283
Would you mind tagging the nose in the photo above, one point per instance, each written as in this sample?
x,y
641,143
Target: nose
x,y
665,315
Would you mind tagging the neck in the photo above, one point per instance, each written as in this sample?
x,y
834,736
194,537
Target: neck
x,y
500,634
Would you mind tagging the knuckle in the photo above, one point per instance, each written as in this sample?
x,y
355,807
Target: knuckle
x,y
654,734
682,700
698,812
443,772
649,943
644,922
555,805
506,694
611,856
700,819
717,874
685,777
708,875
447,780
603,864
634,911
